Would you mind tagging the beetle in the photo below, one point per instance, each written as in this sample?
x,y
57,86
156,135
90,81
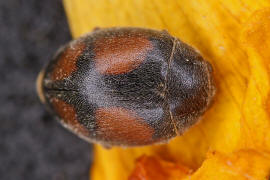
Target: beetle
x,y
127,86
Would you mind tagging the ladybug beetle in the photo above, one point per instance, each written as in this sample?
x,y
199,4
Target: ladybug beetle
x,y
127,86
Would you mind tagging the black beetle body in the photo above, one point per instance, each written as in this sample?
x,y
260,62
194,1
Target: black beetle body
x,y
127,86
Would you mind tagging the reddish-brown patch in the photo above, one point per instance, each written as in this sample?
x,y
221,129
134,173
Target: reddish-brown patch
x,y
118,55
66,63
69,116
122,125
154,168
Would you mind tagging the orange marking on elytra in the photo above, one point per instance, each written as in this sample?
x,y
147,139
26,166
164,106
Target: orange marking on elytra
x,y
66,63
68,114
118,55
122,125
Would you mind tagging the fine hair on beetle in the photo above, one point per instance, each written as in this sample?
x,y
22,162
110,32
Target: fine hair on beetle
x,y
127,86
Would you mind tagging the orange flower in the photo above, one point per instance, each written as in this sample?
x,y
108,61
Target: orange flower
x,y
232,141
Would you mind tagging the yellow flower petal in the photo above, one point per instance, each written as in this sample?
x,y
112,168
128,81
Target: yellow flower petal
x,y
241,165
234,36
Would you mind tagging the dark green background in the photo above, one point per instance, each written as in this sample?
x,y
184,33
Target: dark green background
x,y
32,144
